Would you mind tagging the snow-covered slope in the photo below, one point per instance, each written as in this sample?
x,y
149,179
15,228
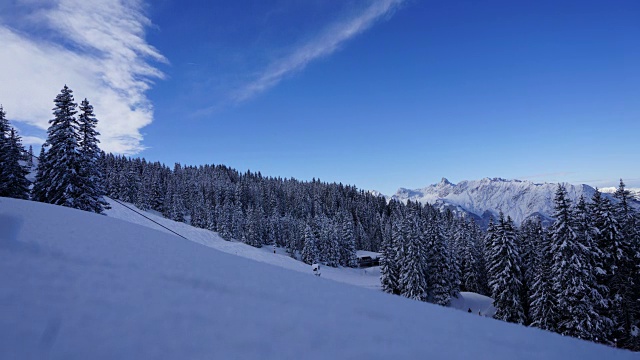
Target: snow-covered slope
x,y
369,278
483,198
77,285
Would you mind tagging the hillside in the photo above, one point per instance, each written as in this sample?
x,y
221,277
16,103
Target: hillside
x,y
78,285
367,278
487,197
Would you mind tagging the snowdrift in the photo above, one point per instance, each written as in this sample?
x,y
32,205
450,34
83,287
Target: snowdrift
x,y
77,285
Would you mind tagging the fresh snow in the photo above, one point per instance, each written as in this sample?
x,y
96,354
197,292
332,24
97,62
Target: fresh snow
x,y
479,304
77,285
369,278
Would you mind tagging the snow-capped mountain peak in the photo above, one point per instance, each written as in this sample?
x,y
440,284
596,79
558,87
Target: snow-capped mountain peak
x,y
487,197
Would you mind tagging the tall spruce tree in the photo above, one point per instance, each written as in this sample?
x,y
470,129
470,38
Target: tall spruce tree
x,y
60,181
388,266
572,274
624,280
589,321
92,191
413,268
438,266
505,277
310,249
564,271
4,152
543,305
13,173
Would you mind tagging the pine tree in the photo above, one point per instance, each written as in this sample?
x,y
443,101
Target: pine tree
x,y
310,247
543,304
528,235
505,277
393,256
39,191
4,152
388,266
348,246
572,274
13,174
623,282
90,198
60,181
589,319
564,265
413,271
438,266
29,158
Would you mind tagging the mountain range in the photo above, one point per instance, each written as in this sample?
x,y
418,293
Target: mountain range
x,y
486,198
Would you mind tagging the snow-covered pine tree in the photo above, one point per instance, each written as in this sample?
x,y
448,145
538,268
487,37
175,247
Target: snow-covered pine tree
x,y
332,234
90,174
590,322
29,157
566,266
479,262
471,262
13,174
253,227
4,129
505,273
348,242
624,281
4,152
413,269
542,311
528,235
13,181
572,275
38,192
310,248
449,228
388,266
59,182
438,267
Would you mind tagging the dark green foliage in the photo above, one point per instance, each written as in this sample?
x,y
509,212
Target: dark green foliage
x,y
13,171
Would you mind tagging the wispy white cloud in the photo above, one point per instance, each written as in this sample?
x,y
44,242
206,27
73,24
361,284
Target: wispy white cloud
x,y
323,45
100,52
32,140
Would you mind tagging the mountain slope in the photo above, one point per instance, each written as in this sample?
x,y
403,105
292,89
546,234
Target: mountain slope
x,y
482,198
634,192
77,285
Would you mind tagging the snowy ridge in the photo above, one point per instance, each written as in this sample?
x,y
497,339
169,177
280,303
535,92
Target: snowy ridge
x,y
634,192
78,285
481,198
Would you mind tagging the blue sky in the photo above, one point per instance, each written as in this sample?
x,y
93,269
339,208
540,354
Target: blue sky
x,y
378,93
